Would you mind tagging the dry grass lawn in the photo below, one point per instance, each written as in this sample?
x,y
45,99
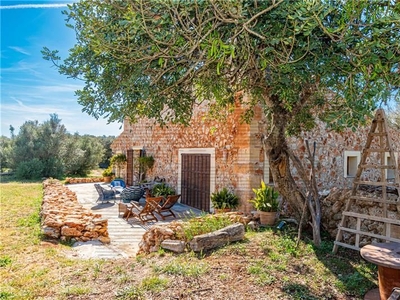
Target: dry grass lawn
x,y
266,265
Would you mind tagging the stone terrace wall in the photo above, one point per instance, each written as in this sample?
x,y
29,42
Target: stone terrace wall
x,y
64,218
71,180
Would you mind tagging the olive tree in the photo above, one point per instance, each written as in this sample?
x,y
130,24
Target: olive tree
x,y
299,60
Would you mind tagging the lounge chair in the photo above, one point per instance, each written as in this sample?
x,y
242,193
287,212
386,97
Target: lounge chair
x,y
104,194
165,209
146,213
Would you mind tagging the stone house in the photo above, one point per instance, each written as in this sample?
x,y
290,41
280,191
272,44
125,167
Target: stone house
x,y
209,155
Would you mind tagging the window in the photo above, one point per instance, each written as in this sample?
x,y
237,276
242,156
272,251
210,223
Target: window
x,y
351,161
390,162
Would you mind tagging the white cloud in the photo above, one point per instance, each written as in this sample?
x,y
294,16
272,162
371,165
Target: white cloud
x,y
20,50
24,6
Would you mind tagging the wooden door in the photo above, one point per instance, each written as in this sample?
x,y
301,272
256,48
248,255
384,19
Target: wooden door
x,y
195,180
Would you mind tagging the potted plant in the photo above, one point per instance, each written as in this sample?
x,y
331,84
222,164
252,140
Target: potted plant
x,y
162,189
266,202
224,200
145,163
107,174
118,161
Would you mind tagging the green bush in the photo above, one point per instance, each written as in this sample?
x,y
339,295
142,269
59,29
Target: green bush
x,y
162,189
32,169
224,199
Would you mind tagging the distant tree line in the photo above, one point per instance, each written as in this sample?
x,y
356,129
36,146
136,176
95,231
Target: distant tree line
x,y
48,150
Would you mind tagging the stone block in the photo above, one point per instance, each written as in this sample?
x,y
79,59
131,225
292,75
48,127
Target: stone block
x,y
217,238
174,245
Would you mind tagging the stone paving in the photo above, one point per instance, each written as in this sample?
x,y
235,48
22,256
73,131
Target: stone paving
x,y
125,236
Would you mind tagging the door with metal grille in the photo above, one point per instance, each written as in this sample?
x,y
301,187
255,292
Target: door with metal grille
x,y
195,180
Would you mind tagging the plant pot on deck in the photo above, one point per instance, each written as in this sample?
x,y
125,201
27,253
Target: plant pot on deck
x,y
107,179
267,217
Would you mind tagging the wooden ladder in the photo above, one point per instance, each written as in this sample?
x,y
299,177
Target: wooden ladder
x,y
382,145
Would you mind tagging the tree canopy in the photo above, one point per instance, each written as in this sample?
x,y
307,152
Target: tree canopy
x,y
139,57
299,60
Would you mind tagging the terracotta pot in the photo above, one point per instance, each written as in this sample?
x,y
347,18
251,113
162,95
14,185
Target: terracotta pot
x,y
267,218
107,179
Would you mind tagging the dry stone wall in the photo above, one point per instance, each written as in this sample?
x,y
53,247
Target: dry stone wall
x,y
174,231
70,180
63,218
333,205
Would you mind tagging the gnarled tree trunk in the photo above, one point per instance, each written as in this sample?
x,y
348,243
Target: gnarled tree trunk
x,y
281,160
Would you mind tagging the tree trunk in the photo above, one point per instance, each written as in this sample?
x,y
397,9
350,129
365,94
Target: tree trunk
x,y
280,156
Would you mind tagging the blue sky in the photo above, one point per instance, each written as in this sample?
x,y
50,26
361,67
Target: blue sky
x,y
31,88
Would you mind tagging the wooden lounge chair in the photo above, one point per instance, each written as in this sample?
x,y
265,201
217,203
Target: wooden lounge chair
x,y
146,213
165,209
104,194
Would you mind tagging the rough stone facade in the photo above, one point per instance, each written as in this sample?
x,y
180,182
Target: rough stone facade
x,y
237,149
63,218
330,150
240,162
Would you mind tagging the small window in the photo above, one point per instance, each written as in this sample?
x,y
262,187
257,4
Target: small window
x,y
390,162
351,161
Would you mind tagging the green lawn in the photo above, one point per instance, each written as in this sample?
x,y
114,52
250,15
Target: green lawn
x,y
266,262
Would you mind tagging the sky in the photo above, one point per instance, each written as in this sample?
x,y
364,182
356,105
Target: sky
x,y
31,88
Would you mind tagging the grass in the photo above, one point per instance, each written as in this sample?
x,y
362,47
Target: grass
x,y
268,262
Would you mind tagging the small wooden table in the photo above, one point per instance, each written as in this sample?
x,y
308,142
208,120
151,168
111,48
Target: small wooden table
x,y
387,257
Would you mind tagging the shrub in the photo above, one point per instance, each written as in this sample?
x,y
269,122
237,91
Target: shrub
x,y
224,199
32,169
162,189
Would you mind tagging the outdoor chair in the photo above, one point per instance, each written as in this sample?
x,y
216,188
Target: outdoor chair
x,y
118,185
104,194
133,193
118,182
146,213
165,209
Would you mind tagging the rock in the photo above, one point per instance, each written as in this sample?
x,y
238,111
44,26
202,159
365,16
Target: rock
x,y
174,245
104,239
53,232
217,238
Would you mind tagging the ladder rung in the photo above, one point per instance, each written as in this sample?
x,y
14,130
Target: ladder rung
x,y
378,236
380,183
378,134
374,200
371,166
346,245
373,218
377,150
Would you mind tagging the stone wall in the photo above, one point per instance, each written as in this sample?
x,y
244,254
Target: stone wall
x,y
236,159
154,237
333,205
239,156
330,148
70,180
63,218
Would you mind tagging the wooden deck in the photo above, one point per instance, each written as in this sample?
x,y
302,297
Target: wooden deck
x,y
125,236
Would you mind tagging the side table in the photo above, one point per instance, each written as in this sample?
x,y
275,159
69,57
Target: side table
x,y
387,257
